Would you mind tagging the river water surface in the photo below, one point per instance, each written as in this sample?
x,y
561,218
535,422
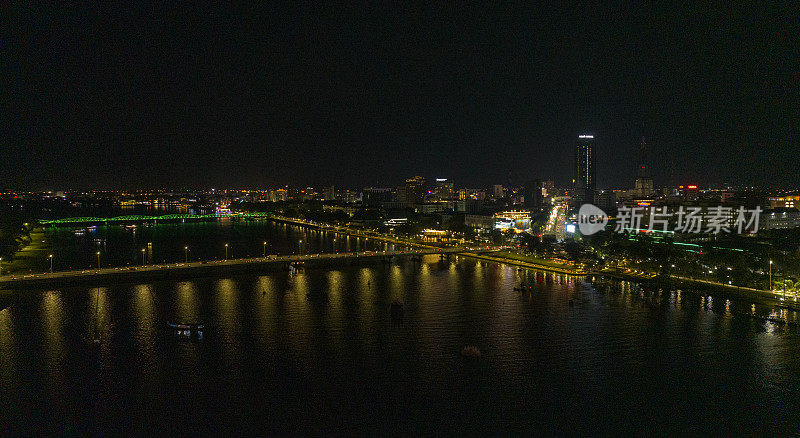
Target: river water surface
x,y
322,351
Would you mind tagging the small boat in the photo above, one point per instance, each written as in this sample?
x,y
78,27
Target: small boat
x,y
470,351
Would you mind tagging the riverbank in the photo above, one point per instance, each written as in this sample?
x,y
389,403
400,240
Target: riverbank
x,y
674,282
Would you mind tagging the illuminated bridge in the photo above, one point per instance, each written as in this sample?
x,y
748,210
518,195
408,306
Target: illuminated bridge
x,y
216,267
148,218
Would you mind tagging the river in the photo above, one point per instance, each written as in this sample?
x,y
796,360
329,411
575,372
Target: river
x,y
322,351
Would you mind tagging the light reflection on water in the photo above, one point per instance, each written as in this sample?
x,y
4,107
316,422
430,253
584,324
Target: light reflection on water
x,y
322,350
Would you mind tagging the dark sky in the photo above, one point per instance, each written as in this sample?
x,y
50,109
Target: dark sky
x,y
165,94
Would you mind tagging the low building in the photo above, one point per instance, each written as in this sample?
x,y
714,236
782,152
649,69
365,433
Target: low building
x,y
479,221
519,219
779,219
785,202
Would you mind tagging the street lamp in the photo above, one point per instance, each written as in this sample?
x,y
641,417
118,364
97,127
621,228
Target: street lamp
x,y
265,249
226,251
51,263
770,275
143,262
186,253
300,246
98,260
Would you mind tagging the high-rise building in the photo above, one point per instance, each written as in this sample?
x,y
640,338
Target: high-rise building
x,y
584,169
375,196
643,187
533,194
329,194
547,187
444,189
414,190
498,191
607,201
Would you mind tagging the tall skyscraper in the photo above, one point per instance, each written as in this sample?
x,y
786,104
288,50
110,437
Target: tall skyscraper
x,y
533,194
444,189
414,190
584,169
643,187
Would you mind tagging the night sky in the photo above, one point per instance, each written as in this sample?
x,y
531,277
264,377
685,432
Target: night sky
x,y
171,95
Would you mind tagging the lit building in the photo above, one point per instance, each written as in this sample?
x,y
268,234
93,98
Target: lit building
x,y
444,189
519,219
548,187
607,201
785,202
329,193
374,196
414,192
584,169
498,191
779,219
643,186
479,221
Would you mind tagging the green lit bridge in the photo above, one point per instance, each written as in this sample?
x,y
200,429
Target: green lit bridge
x,y
89,220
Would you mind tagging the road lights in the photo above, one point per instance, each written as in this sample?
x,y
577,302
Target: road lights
x,y
770,275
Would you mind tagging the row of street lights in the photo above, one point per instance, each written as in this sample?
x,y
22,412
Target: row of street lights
x,y
185,254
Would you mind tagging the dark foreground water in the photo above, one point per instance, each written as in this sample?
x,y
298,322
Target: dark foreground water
x,y
322,351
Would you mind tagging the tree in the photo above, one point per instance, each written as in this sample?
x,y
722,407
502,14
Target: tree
x,y
12,233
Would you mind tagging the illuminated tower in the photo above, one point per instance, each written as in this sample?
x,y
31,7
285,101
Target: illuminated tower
x,y
584,169
643,159
643,187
